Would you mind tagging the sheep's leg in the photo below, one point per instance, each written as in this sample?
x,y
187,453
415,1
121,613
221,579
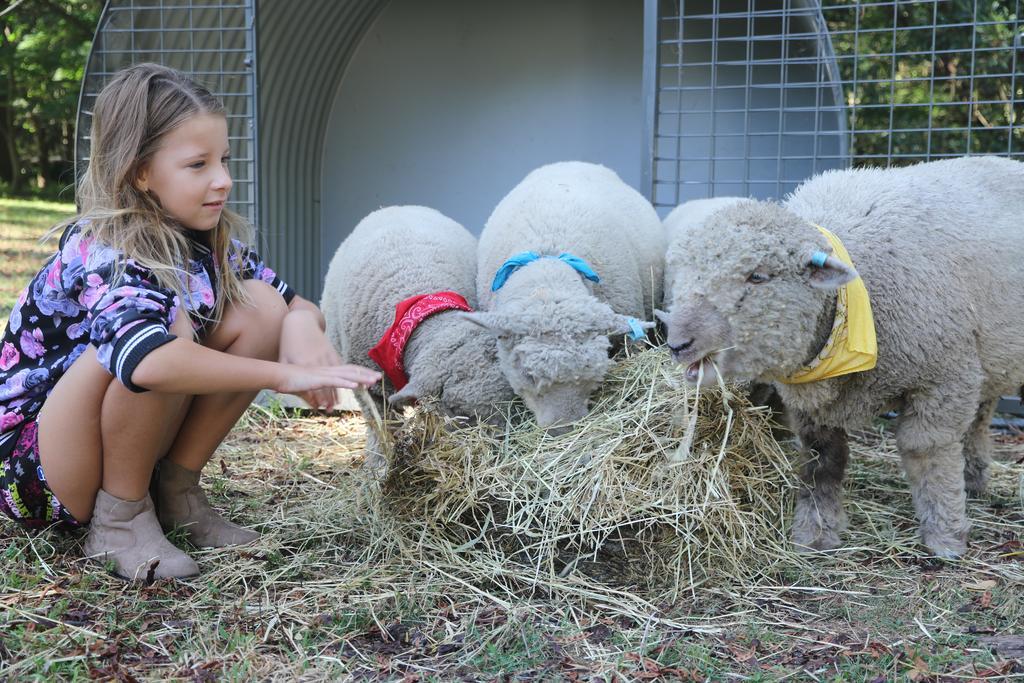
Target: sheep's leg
x,y
978,449
930,441
375,460
819,517
765,395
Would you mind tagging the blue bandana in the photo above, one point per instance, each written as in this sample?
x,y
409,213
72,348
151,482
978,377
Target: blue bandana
x,y
519,260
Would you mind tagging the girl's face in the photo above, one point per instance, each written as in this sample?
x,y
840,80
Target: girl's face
x,y
189,172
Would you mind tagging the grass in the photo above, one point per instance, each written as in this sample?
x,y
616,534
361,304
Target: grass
x,y
304,603
22,223
311,601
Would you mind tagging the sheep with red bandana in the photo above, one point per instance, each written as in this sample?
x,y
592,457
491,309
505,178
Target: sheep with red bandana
x,y
392,294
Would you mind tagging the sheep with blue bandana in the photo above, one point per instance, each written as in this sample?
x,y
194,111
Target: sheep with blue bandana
x,y
392,294
570,258
866,291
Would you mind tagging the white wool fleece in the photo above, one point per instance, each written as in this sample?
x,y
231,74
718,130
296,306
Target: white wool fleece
x,y
395,253
684,217
940,248
553,326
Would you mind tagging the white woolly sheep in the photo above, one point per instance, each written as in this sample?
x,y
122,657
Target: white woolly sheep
x,y
393,254
552,323
940,249
685,217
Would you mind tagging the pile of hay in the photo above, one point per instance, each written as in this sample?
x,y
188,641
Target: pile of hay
x,y
661,489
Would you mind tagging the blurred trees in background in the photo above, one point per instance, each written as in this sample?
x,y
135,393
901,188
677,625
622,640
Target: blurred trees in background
x,y
911,90
924,78
43,49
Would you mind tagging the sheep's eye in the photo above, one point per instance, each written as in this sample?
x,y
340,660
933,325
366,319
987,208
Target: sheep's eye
x,y
757,278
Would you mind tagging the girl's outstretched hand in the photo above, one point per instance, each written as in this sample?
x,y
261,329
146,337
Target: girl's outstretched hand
x,y
302,379
304,344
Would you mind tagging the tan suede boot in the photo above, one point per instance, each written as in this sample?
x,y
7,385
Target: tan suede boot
x,y
181,503
127,532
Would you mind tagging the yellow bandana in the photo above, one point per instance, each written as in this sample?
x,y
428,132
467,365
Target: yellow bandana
x,y
852,346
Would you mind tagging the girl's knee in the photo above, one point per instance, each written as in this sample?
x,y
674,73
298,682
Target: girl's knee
x,y
268,309
252,329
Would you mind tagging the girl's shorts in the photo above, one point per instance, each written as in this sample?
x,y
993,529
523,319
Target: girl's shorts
x,y
25,496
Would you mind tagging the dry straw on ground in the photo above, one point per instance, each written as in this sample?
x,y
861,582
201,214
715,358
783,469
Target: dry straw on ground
x,y
660,490
341,587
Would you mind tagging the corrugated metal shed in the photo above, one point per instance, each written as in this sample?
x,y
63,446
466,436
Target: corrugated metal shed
x,y
363,103
303,49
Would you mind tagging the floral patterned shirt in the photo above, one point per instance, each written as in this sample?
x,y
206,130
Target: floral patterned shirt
x,y
88,293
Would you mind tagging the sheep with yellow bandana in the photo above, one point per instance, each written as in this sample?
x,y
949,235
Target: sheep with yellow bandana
x,y
868,290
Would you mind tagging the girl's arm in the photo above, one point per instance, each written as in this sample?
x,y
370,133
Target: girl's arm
x,y
183,367
303,343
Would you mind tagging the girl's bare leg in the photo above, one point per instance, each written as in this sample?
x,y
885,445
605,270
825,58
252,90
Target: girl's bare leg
x,y
95,432
98,443
253,331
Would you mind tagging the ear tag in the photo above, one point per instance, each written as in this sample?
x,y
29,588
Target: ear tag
x,y
635,331
819,258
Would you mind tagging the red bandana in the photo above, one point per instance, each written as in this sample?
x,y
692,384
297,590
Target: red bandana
x,y
409,313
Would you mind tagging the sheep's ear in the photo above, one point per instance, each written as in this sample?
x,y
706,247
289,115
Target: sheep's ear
x,y
829,272
661,315
406,396
489,321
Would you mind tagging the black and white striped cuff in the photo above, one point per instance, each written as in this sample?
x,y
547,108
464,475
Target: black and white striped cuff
x,y
132,348
284,290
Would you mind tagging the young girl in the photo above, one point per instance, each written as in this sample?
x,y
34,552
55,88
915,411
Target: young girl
x,y
145,337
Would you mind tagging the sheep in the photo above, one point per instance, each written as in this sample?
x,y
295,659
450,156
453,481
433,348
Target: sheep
x,y
393,254
940,249
685,217
553,318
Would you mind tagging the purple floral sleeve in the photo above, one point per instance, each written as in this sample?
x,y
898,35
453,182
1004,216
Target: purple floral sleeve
x,y
250,266
129,315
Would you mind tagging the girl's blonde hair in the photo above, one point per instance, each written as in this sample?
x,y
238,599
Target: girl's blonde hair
x,y
133,113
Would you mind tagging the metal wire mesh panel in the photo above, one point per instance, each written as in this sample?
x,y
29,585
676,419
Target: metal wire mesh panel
x,y
925,80
754,96
212,40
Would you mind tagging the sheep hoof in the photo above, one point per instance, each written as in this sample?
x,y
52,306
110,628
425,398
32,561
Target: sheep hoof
x,y
815,540
944,546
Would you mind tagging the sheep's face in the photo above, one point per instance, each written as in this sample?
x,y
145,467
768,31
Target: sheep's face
x,y
473,385
749,299
455,362
554,359
554,376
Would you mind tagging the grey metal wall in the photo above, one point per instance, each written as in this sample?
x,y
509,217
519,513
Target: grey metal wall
x,y
363,103
449,104
304,46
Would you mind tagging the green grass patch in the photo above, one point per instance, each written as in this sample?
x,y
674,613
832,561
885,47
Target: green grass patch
x,y
22,223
